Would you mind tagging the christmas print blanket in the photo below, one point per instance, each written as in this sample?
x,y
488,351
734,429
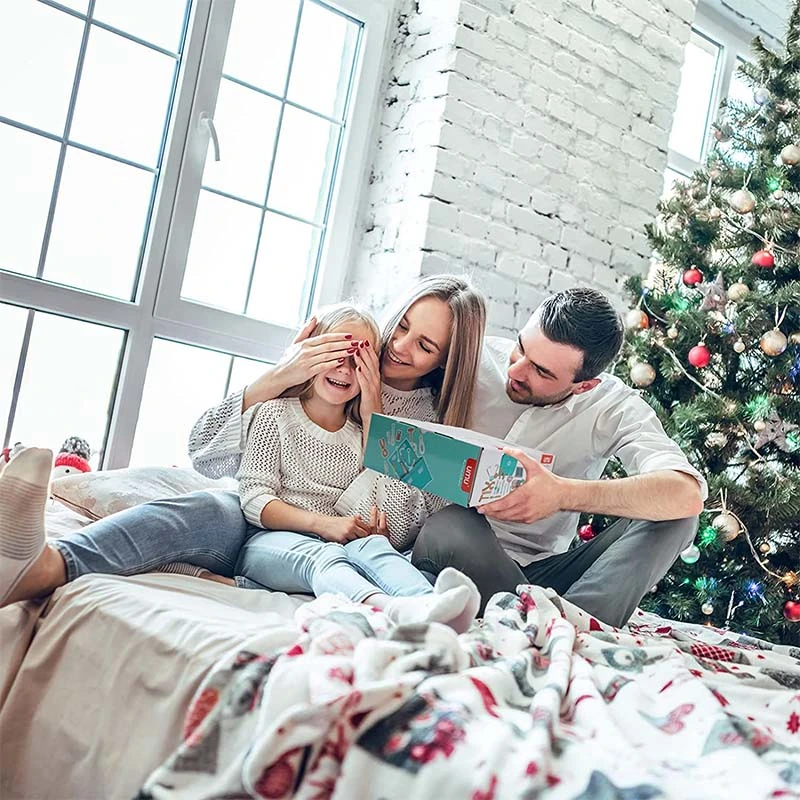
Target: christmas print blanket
x,y
538,700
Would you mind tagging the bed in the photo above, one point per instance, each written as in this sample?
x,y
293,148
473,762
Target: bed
x,y
168,686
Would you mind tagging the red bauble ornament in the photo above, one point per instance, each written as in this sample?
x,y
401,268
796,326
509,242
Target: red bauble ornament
x,y
791,610
692,277
699,356
764,259
586,532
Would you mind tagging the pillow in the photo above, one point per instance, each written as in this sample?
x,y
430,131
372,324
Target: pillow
x,y
98,494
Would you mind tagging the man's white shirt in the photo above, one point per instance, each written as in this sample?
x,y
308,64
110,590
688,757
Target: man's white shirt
x,y
583,432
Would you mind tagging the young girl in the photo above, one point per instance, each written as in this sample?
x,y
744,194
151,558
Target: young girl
x,y
303,450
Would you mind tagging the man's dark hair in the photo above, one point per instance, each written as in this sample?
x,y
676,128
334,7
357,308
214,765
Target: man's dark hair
x,y
583,318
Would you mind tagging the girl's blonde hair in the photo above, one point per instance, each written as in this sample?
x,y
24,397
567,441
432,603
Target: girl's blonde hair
x,y
329,319
453,383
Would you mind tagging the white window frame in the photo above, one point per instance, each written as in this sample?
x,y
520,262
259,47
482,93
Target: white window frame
x,y
734,43
153,314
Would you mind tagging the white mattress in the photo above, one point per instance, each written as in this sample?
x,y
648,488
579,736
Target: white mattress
x,y
96,701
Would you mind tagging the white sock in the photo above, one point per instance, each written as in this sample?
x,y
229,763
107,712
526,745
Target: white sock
x,y
450,578
434,607
23,494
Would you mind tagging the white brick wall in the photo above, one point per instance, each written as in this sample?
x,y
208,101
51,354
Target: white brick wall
x,y
522,142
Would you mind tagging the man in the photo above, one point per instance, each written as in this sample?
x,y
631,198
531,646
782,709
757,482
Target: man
x,y
548,390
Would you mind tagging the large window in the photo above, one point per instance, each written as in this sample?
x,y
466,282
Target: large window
x,y
713,53
179,186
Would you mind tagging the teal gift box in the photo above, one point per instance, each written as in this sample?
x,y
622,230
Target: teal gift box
x,y
459,465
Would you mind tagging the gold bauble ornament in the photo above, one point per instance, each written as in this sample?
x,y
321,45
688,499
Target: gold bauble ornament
x,y
742,201
794,337
727,525
790,578
759,425
636,319
739,346
714,213
764,548
779,194
642,374
790,155
672,332
738,291
774,342
707,609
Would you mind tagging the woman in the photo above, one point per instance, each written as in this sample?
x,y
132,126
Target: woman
x,y
303,450
428,364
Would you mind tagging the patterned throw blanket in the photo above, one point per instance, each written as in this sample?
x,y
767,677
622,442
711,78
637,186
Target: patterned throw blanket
x,y
540,700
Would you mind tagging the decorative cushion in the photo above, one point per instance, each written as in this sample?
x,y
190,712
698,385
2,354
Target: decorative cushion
x,y
98,494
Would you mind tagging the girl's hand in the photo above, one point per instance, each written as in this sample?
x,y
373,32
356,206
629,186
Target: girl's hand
x,y
368,375
344,529
378,523
307,357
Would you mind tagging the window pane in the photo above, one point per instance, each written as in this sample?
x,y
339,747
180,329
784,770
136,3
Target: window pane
x,y
221,252
123,98
181,383
692,115
246,122
68,382
156,21
323,60
260,43
244,372
286,258
77,5
28,168
39,49
12,325
739,89
303,165
99,224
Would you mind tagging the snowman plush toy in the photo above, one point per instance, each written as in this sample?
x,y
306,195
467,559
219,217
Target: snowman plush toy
x,y
72,458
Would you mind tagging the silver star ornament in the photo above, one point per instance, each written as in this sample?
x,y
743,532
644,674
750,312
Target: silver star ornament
x,y
715,298
775,430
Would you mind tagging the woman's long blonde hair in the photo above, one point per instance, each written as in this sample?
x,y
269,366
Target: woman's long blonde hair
x,y
329,319
453,383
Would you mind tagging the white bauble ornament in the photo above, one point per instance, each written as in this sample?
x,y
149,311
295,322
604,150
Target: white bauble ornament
x,y
779,194
739,346
738,291
790,155
716,439
636,319
672,332
690,554
707,609
642,374
727,525
759,425
761,95
742,201
774,342
714,213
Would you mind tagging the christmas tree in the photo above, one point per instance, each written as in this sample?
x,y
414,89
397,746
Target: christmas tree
x,y
714,343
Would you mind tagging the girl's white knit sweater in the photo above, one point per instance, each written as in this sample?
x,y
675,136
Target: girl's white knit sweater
x,y
276,451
